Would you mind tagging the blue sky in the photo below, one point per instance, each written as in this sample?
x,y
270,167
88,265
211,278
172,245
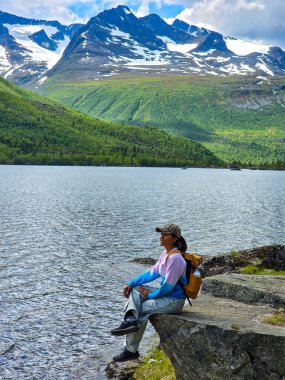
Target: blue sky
x,y
164,10
251,20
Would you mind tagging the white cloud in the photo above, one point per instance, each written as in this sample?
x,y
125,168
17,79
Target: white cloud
x,y
259,20
143,9
251,5
169,20
49,10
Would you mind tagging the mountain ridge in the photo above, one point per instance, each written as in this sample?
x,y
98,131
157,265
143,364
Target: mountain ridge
x,y
29,47
116,42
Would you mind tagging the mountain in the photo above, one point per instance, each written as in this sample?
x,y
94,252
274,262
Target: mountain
x,y
108,44
161,28
116,42
237,118
34,130
28,47
224,93
191,29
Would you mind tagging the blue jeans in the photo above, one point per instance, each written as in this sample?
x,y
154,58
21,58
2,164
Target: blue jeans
x,y
142,309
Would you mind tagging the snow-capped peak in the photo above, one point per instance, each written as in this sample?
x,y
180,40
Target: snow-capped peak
x,y
117,41
242,48
126,9
22,34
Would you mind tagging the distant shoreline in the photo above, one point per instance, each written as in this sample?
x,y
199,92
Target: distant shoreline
x,y
138,166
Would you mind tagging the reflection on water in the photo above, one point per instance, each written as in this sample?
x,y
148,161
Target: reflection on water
x,y
67,234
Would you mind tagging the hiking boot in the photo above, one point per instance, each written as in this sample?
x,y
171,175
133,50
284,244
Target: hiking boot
x,y
125,328
126,355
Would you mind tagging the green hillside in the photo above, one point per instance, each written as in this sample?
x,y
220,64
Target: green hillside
x,y
238,118
36,130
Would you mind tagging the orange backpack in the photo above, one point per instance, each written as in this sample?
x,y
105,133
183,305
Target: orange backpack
x,y
194,279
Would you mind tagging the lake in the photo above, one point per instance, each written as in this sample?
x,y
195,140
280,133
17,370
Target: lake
x,y
68,233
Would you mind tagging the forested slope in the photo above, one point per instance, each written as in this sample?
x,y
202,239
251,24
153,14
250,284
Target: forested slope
x,y
36,130
238,118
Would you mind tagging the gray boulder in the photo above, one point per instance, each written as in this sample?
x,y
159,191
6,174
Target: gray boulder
x,y
268,290
223,337
269,257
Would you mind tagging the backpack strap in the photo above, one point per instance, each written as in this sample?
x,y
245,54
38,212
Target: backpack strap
x,y
173,252
179,282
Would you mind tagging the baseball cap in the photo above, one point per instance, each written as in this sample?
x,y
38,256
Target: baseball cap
x,y
171,228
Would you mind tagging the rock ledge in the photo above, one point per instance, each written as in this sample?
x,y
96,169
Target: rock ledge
x,y
223,336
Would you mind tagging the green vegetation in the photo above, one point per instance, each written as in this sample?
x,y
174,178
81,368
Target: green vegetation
x,y
252,269
234,253
240,119
155,366
278,318
35,130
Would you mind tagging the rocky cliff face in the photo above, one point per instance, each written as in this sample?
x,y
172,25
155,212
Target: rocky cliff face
x,y
230,344
269,257
223,336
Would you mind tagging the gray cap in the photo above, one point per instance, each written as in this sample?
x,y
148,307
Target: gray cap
x,y
171,228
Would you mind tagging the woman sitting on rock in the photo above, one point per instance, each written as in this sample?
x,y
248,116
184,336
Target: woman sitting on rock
x,y
144,301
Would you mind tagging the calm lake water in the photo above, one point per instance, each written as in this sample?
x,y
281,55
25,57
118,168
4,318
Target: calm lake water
x,y
67,234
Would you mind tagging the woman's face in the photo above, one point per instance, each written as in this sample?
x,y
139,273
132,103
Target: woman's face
x,y
167,240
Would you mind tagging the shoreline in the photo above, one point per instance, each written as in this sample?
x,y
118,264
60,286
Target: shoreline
x,y
138,166
153,363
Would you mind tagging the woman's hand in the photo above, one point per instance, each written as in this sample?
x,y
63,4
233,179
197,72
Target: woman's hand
x,y
144,292
127,290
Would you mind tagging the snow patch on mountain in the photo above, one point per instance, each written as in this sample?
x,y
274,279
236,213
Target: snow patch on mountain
x,y
37,53
126,10
232,69
199,62
261,77
246,68
116,32
4,63
242,48
85,40
146,56
210,51
173,46
241,69
11,70
20,32
141,62
262,66
41,81
217,59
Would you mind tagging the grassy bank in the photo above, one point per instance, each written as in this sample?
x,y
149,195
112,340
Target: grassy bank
x,y
155,366
255,270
